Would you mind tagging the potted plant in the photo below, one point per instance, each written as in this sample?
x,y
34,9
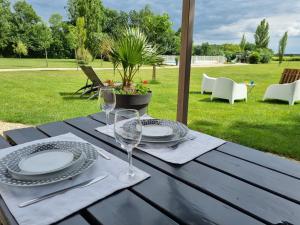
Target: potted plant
x,y
128,53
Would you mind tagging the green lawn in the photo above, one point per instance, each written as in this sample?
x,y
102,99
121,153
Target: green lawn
x,y
16,63
41,97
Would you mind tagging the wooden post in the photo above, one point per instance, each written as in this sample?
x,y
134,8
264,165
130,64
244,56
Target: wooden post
x,y
188,14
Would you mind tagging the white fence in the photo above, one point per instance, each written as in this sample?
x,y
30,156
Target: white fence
x,y
196,60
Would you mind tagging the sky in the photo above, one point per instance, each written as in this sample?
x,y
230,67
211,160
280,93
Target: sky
x,y
217,21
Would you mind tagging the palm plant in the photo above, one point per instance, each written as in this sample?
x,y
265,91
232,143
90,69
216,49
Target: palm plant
x,y
129,52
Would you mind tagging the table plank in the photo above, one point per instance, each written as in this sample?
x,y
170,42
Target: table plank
x,y
179,201
278,183
3,143
23,135
241,195
127,209
267,160
74,220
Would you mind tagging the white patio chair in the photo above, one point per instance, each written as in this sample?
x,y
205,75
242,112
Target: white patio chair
x,y
207,83
226,88
287,92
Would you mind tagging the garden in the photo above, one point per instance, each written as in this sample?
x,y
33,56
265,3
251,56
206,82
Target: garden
x,y
36,97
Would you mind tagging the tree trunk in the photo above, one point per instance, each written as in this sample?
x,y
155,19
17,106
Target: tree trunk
x,y
46,54
76,57
154,73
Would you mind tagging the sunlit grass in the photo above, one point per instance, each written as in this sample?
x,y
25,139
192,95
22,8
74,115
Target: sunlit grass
x,y
41,97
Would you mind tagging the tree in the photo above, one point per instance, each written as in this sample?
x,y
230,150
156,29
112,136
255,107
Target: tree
x,y
243,43
42,38
93,13
23,20
158,29
5,17
59,47
83,55
20,49
261,36
282,46
72,39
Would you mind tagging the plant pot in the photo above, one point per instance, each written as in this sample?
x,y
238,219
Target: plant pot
x,y
138,102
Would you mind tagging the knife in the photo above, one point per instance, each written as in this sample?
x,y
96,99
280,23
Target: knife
x,y
55,193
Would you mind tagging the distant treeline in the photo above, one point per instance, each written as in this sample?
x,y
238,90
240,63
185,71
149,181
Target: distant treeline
x,y
24,33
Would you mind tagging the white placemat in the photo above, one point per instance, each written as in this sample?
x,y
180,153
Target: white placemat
x,y
185,151
54,209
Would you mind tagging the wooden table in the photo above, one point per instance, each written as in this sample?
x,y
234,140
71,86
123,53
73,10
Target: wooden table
x,y
231,185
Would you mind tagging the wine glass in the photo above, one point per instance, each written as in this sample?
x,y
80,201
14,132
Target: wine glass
x,y
107,101
128,133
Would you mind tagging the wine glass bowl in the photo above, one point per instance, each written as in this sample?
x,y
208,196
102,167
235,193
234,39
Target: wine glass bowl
x,y
128,137
107,101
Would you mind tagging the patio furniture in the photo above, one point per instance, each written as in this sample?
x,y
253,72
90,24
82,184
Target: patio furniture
x,y
207,83
232,184
92,77
288,88
289,76
289,92
226,88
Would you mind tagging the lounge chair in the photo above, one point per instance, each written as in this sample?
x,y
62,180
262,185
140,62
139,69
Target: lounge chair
x,y
95,82
288,88
226,88
207,83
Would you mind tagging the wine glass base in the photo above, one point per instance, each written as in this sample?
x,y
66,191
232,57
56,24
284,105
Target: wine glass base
x,y
129,178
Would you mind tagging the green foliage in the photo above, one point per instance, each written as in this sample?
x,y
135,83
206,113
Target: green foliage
x,y
82,53
20,48
208,49
287,59
83,56
24,19
262,36
249,47
130,51
265,55
41,39
139,89
254,58
230,51
5,17
158,29
282,46
93,13
243,43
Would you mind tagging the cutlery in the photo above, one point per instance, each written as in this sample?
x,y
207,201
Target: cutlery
x,y
55,193
190,138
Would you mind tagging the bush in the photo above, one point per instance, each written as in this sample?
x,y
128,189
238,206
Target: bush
x,y
288,58
265,55
254,58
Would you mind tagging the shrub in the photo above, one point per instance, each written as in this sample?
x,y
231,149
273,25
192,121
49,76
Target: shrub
x,y
254,58
265,55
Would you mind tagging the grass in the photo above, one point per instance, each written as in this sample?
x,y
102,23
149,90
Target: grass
x,y
16,63
41,97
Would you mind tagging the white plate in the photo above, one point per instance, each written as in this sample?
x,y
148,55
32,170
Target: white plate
x,y
46,162
156,131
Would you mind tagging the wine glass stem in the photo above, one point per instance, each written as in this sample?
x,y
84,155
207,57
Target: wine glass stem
x,y
130,166
107,118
